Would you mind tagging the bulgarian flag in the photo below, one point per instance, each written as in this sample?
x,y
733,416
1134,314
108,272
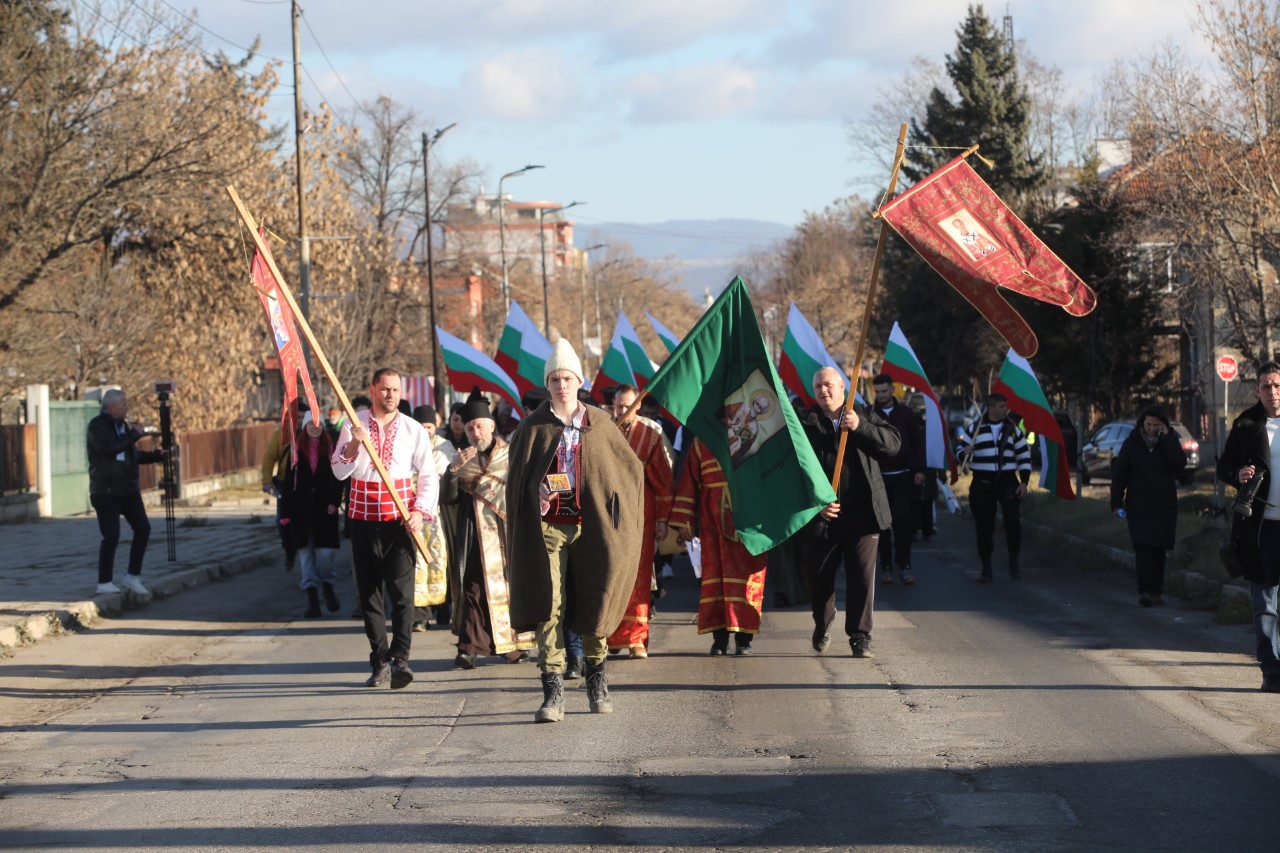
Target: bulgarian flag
x,y
721,383
803,353
637,356
615,367
901,363
670,339
469,368
522,350
1018,382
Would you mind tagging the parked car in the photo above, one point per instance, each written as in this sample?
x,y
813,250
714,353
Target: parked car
x,y
1098,456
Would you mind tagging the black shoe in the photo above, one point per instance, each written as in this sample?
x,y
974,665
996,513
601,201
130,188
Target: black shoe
x,y
743,650
821,638
1157,599
419,627
464,661
1271,682
1144,600
331,602
1014,571
861,647
289,560
313,604
381,672
552,709
717,649
401,675
986,576
523,657
598,689
574,669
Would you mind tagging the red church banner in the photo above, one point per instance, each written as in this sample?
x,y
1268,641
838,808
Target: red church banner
x,y
973,240
284,332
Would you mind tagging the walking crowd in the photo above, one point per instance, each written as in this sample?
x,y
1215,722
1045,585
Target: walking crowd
x,y
546,537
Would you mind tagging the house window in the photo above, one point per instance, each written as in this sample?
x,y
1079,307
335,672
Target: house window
x,y
1151,264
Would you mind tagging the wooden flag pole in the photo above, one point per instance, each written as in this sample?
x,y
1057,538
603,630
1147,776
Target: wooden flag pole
x,y
305,328
871,299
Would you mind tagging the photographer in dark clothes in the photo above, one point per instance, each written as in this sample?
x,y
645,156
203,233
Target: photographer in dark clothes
x,y
1253,450
114,491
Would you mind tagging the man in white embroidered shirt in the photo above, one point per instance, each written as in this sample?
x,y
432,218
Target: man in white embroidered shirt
x,y
382,546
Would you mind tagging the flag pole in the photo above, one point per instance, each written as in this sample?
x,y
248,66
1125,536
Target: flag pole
x,y
305,328
871,298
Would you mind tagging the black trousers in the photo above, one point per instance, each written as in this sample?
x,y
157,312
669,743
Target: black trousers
x,y
895,543
109,509
1149,561
822,559
984,496
382,552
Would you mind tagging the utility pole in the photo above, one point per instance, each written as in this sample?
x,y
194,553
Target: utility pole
x,y
304,240
431,267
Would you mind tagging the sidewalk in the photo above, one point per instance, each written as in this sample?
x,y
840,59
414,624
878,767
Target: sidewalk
x,y
48,568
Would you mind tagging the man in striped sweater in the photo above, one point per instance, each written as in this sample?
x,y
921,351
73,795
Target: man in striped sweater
x,y
995,450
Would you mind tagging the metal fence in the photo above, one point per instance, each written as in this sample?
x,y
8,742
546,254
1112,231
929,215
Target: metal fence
x,y
17,458
215,452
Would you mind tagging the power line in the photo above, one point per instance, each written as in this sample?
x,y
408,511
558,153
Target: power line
x,y
306,20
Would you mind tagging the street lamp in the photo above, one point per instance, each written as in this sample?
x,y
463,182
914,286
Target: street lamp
x,y
502,230
542,239
582,294
431,267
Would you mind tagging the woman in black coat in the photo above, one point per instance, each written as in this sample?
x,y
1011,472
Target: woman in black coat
x,y
1143,490
309,509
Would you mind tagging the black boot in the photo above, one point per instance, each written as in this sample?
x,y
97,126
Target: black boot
x,y
313,603
598,689
1014,571
331,599
552,710
986,570
573,669
381,672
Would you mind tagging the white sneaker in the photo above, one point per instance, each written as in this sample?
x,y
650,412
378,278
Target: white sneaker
x,y
107,588
134,585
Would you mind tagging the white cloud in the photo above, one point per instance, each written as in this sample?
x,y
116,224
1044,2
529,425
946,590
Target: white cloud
x,y
695,93
522,85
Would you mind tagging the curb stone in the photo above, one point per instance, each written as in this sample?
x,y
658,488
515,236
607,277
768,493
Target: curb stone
x,y
82,614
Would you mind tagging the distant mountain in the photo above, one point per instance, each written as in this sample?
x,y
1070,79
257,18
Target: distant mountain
x,y
707,250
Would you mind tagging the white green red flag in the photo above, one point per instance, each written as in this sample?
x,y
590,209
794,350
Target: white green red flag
x,y
721,383
284,332
615,367
522,350
669,339
803,354
973,240
642,367
1018,382
900,362
468,368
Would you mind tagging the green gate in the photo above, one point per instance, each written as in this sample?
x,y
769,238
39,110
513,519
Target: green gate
x,y
69,461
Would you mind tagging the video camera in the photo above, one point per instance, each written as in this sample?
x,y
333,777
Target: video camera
x,y
1248,493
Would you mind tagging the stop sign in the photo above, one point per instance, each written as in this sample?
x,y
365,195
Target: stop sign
x,y
1228,369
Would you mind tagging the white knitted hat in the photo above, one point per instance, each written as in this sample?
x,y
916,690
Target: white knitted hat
x,y
563,358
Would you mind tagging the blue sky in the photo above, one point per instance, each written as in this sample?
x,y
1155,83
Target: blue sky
x,y
651,110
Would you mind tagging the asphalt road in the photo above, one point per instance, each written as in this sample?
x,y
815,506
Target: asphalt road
x,y
1045,714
